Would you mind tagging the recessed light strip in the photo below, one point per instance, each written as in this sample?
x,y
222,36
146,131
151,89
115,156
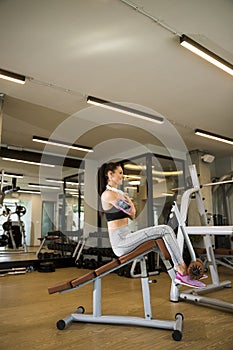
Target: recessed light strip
x,y
44,186
125,110
208,55
62,182
212,136
55,180
28,162
61,144
17,176
14,77
29,191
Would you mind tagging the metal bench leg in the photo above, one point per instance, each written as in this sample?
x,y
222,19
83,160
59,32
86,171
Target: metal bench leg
x,y
145,289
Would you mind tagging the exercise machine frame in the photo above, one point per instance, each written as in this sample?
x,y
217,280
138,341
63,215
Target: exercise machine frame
x,y
206,231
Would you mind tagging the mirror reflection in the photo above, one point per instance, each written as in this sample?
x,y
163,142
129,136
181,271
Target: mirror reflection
x,y
28,217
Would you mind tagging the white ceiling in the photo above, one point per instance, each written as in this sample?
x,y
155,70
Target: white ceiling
x,y
69,49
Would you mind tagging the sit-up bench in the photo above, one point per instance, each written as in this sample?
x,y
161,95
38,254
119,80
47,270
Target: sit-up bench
x,y
96,276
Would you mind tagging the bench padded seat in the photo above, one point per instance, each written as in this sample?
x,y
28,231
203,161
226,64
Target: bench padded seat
x,y
85,278
59,287
142,249
107,267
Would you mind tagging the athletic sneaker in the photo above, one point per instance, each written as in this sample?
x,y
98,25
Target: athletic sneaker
x,y
186,281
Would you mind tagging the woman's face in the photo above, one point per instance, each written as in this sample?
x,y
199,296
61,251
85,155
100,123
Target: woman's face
x,y
116,176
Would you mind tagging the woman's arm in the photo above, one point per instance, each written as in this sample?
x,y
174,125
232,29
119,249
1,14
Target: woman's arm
x,y
132,212
121,202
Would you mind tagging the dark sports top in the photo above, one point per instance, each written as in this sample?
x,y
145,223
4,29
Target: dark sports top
x,y
115,214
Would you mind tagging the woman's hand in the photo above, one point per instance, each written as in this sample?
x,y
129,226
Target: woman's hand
x,y
132,211
110,199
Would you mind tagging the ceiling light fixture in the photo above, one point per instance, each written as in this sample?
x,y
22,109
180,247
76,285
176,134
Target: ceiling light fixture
x,y
208,55
16,78
134,183
72,190
29,191
62,182
44,186
125,110
136,177
55,180
27,162
17,176
167,173
61,144
167,194
212,136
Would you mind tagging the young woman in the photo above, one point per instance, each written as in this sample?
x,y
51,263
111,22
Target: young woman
x,y
118,209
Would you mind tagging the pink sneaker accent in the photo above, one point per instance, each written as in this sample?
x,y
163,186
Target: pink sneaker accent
x,y
203,277
186,281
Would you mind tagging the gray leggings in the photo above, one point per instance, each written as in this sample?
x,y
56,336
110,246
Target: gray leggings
x,y
124,241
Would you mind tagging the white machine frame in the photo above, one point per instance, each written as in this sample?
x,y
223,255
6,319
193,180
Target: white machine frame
x,y
206,231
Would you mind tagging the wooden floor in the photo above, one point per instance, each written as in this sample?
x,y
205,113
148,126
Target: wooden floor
x,y
28,315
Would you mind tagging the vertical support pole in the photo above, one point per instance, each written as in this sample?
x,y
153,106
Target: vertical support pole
x,y
150,217
90,201
150,213
97,297
79,202
145,290
1,113
207,239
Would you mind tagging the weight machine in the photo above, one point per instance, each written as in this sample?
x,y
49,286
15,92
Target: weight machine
x,y
14,236
14,232
205,231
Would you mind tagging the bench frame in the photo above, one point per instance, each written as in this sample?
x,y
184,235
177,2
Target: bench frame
x,y
96,277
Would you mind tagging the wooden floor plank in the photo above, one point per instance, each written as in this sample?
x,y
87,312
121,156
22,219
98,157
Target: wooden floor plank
x,y
28,315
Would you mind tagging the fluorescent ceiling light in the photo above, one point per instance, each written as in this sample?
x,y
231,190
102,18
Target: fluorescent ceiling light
x,y
130,166
72,190
29,191
62,182
27,162
136,177
61,144
74,195
16,78
208,55
73,183
18,176
44,186
55,180
212,136
123,109
134,183
154,172
168,173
